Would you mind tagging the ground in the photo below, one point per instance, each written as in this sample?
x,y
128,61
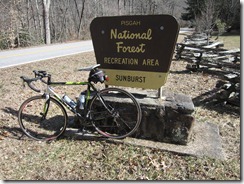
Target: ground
x,y
71,159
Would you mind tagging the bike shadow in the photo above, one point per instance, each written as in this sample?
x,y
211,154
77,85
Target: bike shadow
x,y
11,133
71,133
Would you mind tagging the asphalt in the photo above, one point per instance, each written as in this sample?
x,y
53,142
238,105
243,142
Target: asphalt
x,y
16,57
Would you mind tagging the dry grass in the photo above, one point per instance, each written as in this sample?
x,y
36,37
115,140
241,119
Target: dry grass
x,y
71,159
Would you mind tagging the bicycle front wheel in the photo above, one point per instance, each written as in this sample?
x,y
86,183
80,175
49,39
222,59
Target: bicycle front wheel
x,y
42,118
115,113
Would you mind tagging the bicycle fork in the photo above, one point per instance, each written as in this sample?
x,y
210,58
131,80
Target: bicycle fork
x,y
45,107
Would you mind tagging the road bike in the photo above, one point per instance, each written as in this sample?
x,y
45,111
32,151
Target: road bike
x,y
110,112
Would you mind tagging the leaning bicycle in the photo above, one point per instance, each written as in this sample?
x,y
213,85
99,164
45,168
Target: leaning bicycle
x,y
110,112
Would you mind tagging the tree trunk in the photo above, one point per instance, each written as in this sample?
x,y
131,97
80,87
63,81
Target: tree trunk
x,y
46,6
80,16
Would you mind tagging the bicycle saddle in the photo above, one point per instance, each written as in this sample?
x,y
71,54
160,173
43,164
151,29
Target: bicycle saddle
x,y
89,68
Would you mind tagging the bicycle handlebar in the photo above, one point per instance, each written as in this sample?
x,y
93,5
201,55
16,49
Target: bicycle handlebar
x,y
29,83
39,75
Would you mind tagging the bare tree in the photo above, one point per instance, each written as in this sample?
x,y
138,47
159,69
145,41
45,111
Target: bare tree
x,y
80,16
46,7
205,22
31,22
39,18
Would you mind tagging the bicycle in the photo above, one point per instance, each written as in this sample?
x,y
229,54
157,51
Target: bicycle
x,y
44,117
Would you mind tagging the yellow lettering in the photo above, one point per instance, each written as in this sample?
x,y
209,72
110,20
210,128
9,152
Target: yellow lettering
x,y
130,49
114,34
150,62
156,63
120,61
130,23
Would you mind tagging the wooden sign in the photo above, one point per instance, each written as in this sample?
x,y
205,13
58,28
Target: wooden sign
x,y
135,51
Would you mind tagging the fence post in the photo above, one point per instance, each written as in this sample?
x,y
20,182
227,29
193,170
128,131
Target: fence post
x,y
160,95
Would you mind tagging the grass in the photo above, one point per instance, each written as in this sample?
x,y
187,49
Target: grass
x,y
230,41
73,159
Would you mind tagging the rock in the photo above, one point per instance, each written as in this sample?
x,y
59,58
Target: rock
x,y
169,120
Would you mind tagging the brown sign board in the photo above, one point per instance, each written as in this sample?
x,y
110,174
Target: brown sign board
x,y
135,51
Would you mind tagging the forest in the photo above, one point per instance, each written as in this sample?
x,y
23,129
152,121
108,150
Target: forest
x,y
34,22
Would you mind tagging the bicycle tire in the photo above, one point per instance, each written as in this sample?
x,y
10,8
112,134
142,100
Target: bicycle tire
x,y
35,125
115,113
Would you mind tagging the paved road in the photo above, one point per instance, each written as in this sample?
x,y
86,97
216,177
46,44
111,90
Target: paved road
x,y
21,56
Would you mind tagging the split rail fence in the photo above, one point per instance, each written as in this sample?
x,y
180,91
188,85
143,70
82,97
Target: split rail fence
x,y
203,54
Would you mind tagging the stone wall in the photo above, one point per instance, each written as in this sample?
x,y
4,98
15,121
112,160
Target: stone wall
x,y
166,120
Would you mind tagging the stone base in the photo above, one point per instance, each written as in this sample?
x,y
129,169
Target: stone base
x,y
205,141
166,120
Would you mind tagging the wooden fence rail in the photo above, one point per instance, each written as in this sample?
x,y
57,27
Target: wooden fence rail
x,y
204,54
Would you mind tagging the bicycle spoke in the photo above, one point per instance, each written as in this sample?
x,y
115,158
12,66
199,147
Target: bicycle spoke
x,y
121,119
42,124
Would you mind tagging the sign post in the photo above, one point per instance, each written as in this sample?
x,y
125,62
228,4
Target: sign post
x,y
135,51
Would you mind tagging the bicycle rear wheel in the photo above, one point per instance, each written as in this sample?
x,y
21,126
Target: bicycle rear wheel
x,y
42,119
115,113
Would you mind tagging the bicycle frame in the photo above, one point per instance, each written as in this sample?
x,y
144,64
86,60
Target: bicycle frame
x,y
49,91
